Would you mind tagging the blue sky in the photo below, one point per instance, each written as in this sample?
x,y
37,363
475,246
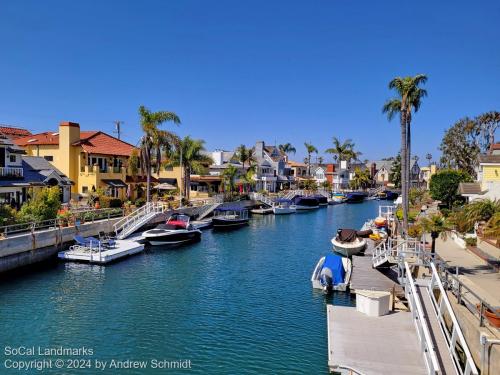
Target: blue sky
x,y
241,71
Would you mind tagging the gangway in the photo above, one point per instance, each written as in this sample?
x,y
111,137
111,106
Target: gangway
x,y
138,218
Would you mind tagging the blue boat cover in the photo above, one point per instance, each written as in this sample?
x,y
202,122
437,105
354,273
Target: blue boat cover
x,y
231,208
334,263
284,200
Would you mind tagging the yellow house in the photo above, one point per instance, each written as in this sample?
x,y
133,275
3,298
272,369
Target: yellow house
x,y
91,159
427,172
488,182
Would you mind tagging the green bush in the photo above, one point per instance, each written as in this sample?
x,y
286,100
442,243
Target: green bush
x,y
7,215
471,241
43,206
444,186
140,202
115,203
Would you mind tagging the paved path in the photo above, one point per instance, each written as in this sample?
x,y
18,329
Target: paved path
x,y
474,271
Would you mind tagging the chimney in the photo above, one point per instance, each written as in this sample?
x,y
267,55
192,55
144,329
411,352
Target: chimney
x,y
69,133
373,170
259,149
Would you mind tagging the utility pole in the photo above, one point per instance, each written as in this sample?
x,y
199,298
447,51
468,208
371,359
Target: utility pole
x,y
118,124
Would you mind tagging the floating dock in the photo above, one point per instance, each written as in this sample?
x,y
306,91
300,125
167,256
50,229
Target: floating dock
x,y
122,249
382,345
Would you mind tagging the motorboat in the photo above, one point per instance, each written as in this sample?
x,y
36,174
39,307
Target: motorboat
x,y
387,195
337,198
349,242
284,207
332,272
262,210
176,230
322,200
355,197
303,203
230,218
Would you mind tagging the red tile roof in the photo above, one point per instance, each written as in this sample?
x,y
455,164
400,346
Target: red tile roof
x,y
13,132
495,146
94,142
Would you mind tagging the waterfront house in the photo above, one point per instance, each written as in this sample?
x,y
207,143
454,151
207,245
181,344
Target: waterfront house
x,y
426,174
21,175
271,169
488,178
380,171
323,173
91,159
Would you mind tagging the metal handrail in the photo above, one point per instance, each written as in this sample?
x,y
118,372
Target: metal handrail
x,y
456,331
424,336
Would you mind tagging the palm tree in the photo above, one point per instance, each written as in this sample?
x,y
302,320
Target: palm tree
x,y
435,224
287,148
229,176
190,157
154,141
343,150
245,155
310,149
361,178
408,100
429,158
247,178
481,210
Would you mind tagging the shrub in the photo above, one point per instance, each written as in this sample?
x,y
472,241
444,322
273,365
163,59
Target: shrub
x,y
444,186
415,231
7,215
140,202
115,203
43,206
471,241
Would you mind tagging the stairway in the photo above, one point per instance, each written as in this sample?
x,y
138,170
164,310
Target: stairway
x,y
141,216
262,198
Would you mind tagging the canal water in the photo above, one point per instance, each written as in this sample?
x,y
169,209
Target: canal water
x,y
237,302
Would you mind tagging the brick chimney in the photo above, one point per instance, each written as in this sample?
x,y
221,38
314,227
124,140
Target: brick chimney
x,y
373,170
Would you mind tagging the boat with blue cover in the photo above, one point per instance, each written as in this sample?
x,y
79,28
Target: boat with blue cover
x,y
332,272
322,200
355,197
387,195
230,217
284,206
303,203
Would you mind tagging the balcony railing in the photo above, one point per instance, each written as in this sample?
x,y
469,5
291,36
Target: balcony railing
x,y
11,172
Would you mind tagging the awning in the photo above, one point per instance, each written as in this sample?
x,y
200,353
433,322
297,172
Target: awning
x,y
16,151
115,183
165,186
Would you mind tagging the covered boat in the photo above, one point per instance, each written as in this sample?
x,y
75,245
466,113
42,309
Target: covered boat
x,y
284,207
337,198
355,197
303,203
347,241
322,200
230,217
177,230
332,272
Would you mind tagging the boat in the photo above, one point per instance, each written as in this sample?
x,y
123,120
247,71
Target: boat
x,y
332,272
284,207
230,218
349,242
303,203
262,210
355,197
322,200
337,198
387,195
176,230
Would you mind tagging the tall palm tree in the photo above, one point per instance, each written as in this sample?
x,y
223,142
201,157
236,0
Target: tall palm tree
x,y
245,155
343,150
287,148
408,100
310,149
229,177
154,141
191,160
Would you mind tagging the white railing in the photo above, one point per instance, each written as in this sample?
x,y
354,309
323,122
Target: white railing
x,y
138,218
262,198
398,249
380,254
377,190
11,172
387,212
453,335
419,319
206,210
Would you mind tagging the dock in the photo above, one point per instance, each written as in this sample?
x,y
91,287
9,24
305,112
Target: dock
x,y
123,248
382,345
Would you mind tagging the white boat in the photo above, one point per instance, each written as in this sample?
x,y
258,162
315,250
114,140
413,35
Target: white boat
x,y
177,230
284,207
347,242
262,210
337,198
328,276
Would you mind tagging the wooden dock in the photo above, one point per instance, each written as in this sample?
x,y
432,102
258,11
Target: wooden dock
x,y
122,249
372,345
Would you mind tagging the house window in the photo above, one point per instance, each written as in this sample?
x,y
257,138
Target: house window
x,y
12,158
49,157
85,189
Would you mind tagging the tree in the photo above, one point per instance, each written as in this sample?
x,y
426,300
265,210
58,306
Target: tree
x,y
192,160
155,141
309,149
481,210
429,158
489,123
43,206
408,100
310,184
395,172
443,186
133,164
342,150
361,179
435,224
245,155
327,185
247,178
287,148
229,176
460,146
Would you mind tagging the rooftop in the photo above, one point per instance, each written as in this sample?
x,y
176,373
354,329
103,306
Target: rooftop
x,y
489,159
13,132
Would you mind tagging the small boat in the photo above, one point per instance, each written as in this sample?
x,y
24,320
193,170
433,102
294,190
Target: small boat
x,y
349,242
337,198
284,207
305,203
355,197
387,195
177,230
322,200
230,218
262,210
332,272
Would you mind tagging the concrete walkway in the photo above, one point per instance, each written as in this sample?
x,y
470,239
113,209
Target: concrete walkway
x,y
474,272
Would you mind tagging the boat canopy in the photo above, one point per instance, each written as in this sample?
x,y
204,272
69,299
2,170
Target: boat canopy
x,y
334,263
284,200
231,208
